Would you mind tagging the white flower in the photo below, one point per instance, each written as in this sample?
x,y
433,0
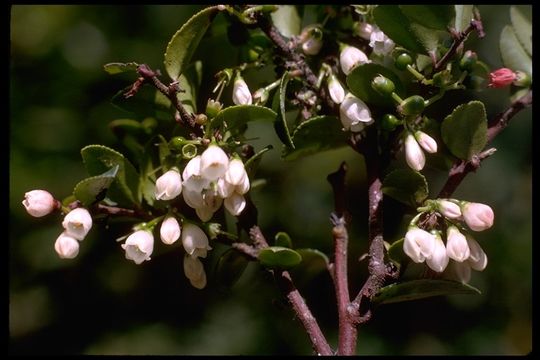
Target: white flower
x,y
139,246
478,216
192,175
241,93
170,230
214,163
235,172
194,240
413,153
426,142
381,44
39,203
456,245
235,204
364,30
461,271
418,244
224,188
66,246
77,223
478,258
193,198
204,213
168,185
350,57
194,270
243,187
448,209
354,113
337,93
438,259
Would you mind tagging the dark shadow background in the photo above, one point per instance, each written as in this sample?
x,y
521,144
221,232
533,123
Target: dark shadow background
x,y
100,303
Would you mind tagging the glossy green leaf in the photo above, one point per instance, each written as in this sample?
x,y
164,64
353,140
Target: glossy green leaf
x,y
93,189
283,239
236,117
287,20
314,135
391,20
512,53
230,266
407,186
423,61
431,16
465,130
395,252
184,42
279,102
420,289
522,28
359,83
464,15
189,81
117,68
253,162
279,257
313,260
478,77
99,159
122,127
429,38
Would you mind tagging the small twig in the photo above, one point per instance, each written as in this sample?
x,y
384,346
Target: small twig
x,y
461,168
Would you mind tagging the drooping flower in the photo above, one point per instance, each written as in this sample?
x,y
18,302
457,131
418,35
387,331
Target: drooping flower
x,y
478,217
235,172
139,246
194,271
336,91
66,246
501,77
381,44
413,153
194,240
456,245
448,209
439,258
235,204
170,230
241,93
477,259
214,163
364,30
418,244
168,185
426,142
354,113
350,57
39,203
77,223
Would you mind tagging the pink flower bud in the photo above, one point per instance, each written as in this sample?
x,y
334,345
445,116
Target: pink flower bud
x,y
456,245
413,153
439,258
501,78
364,30
170,230
426,142
77,223
214,163
477,259
194,271
350,57
478,216
235,172
418,244
241,93
168,185
337,93
66,246
448,209
39,203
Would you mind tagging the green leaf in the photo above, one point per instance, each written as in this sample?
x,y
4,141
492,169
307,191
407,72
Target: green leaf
x,y
320,133
230,266
464,15
359,83
431,16
253,162
184,43
93,189
420,289
391,20
122,127
395,252
423,61
236,117
512,53
522,28
407,186
313,260
189,81
478,77
279,257
465,130
279,102
283,239
429,38
287,20
99,159
117,68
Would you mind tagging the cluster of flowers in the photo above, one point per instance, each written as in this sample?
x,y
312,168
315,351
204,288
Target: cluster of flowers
x,y
209,180
421,245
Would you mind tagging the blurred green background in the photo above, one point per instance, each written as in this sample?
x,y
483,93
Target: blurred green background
x,y
101,303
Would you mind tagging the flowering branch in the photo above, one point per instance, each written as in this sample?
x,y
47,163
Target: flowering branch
x,y
461,168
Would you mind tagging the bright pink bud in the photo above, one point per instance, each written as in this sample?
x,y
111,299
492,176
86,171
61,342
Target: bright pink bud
x,y
501,78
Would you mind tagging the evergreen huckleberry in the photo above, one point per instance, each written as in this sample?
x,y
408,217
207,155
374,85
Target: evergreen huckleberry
x,y
478,217
336,91
418,244
243,187
448,209
311,40
477,259
66,246
241,93
168,185
354,113
413,153
170,230
194,271
194,240
461,271
381,44
77,223
214,163
457,247
235,204
139,246
235,172
501,78
350,57
426,142
439,258
39,203
364,30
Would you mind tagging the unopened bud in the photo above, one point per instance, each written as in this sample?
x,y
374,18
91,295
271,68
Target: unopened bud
x,y
426,142
261,96
448,209
413,153
501,78
66,246
478,216
412,105
213,107
383,85
389,122
468,60
241,93
402,60
337,93
39,203
522,79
